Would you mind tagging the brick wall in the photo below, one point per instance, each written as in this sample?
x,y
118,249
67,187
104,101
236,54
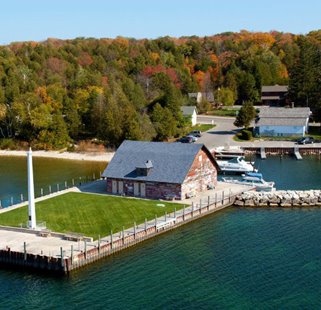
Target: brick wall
x,y
202,174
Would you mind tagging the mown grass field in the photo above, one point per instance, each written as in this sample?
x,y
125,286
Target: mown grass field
x,y
89,214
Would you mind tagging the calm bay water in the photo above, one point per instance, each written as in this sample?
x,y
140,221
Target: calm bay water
x,y
47,171
235,259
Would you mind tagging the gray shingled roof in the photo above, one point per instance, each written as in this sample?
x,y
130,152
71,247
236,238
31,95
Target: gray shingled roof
x,y
171,161
283,116
284,112
188,110
281,122
274,88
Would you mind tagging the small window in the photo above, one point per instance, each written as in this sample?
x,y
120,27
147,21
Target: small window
x,y
200,158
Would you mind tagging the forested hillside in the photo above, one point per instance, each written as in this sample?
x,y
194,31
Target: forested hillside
x,y
59,91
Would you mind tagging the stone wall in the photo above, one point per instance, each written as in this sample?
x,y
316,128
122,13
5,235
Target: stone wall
x,y
279,199
201,175
153,190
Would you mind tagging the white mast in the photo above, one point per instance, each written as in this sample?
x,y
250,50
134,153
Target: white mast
x,y
31,193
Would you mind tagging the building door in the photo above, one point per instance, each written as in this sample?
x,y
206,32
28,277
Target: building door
x,y
114,187
120,187
136,189
142,189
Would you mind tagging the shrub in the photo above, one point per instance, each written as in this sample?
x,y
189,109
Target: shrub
x,y
247,135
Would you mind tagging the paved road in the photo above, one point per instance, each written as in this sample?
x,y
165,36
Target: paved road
x,y
222,134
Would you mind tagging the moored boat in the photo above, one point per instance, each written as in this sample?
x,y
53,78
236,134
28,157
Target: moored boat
x,y
227,152
253,179
235,165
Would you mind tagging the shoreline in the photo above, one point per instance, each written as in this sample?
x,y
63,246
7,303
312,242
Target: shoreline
x,y
102,157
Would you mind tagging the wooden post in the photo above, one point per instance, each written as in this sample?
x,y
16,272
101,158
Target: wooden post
x,y
49,189
215,199
175,212
72,254
184,213
11,200
192,209
85,244
66,185
134,230
123,231
145,225
98,244
111,239
62,257
165,216
57,187
25,251
21,197
41,192
208,202
73,182
229,198
155,221
223,198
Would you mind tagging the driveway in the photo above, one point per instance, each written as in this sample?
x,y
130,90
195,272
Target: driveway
x,y
221,134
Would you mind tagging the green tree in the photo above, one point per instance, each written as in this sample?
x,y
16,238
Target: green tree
x,y
246,115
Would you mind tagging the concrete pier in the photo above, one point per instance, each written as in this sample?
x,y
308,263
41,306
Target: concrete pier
x,y
63,253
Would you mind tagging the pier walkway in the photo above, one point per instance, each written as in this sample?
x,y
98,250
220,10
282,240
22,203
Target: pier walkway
x,y
52,252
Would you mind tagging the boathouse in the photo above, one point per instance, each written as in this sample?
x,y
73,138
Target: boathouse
x,y
275,121
160,170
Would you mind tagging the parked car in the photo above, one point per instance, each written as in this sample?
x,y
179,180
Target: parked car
x,y
306,140
186,140
195,133
194,139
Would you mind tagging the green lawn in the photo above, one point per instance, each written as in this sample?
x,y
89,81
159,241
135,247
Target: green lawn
x,y
89,214
202,127
224,112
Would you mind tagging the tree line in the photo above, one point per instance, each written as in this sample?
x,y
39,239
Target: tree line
x,y
55,92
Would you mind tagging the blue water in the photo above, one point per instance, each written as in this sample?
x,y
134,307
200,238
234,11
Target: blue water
x,y
235,259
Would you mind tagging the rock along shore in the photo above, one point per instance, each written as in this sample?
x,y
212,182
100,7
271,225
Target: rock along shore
x,y
289,198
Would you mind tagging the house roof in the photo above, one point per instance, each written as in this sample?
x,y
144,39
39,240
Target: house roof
x,y
269,116
277,112
275,88
269,121
171,161
188,110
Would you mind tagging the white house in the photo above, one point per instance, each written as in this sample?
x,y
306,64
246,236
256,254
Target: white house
x,y
199,96
274,121
191,112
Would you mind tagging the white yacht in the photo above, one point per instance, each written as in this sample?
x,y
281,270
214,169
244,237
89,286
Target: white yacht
x,y
228,152
235,165
253,179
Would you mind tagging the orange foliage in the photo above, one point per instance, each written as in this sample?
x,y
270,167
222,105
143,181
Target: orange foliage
x,y
122,41
85,59
154,56
199,77
56,65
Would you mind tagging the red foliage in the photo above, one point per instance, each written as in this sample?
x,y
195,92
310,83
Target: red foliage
x,y
85,59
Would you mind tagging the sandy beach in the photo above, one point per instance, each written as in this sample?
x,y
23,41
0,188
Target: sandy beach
x,y
90,156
